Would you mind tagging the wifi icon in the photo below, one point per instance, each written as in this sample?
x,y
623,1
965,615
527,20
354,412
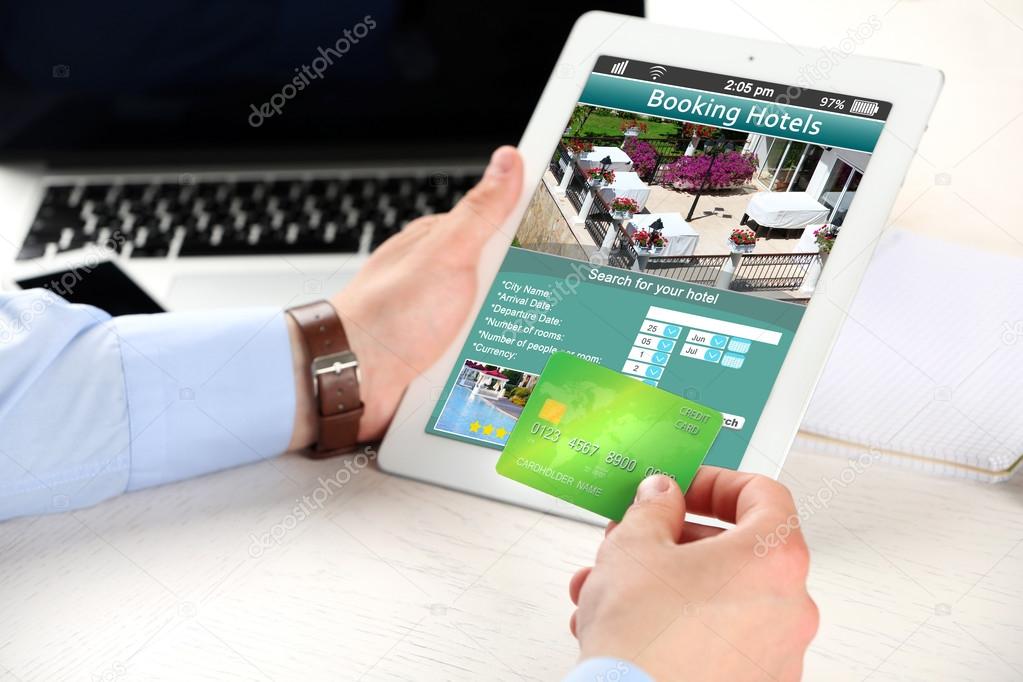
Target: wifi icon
x,y
657,71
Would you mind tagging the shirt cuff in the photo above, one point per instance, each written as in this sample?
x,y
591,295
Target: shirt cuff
x,y
206,390
607,670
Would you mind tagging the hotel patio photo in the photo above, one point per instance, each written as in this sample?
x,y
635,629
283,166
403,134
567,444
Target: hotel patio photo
x,y
485,401
711,206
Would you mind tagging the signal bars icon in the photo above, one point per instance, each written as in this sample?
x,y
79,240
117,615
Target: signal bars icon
x,y
619,68
657,71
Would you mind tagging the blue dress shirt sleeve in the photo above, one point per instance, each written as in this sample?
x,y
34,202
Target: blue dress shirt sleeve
x,y
92,406
607,670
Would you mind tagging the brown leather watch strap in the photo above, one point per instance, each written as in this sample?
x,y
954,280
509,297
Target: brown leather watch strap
x,y
335,377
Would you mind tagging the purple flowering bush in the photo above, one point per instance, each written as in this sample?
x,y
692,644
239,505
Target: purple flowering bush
x,y
729,170
643,155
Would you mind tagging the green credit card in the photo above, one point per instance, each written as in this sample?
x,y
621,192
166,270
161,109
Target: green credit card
x,y
589,435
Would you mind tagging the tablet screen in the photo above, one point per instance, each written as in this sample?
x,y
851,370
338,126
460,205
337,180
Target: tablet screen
x,y
677,233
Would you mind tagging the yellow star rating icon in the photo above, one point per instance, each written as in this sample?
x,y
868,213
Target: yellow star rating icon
x,y
488,429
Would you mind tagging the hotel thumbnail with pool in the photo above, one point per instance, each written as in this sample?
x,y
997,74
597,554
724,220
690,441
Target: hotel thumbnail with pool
x,y
485,402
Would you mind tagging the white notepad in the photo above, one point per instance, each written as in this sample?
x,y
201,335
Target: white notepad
x,y
928,370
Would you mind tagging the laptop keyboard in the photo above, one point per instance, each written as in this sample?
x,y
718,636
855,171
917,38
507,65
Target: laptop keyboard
x,y
238,218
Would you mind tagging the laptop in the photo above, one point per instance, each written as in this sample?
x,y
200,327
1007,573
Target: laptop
x,y
226,152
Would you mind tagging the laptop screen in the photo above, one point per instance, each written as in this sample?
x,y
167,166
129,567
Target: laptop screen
x,y
230,80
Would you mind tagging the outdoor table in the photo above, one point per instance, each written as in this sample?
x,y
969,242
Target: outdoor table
x,y
784,210
620,161
626,184
682,238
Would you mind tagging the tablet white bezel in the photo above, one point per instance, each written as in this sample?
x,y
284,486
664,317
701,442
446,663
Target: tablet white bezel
x,y
408,450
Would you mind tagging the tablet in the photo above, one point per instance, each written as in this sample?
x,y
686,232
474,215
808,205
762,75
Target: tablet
x,y
699,212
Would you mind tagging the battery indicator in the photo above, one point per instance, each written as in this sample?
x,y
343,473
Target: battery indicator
x,y
865,107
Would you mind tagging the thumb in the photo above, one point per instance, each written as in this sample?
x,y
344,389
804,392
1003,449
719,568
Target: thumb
x,y
657,515
484,209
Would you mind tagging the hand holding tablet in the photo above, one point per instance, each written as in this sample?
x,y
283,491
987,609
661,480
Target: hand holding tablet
x,y
636,247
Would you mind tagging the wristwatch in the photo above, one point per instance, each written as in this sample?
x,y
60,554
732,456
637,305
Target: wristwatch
x,y
335,375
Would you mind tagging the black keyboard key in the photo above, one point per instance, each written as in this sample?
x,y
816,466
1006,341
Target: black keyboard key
x,y
101,210
150,251
245,188
133,192
207,190
78,240
380,235
57,195
167,190
116,242
31,249
59,217
96,193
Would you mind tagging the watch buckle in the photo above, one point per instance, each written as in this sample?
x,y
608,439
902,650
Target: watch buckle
x,y
335,363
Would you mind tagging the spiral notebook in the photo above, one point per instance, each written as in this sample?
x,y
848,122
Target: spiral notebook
x,y
928,370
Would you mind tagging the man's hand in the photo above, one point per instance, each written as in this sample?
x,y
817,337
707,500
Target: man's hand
x,y
687,601
407,303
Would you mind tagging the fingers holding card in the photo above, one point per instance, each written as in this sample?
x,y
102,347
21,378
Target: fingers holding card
x,y
590,435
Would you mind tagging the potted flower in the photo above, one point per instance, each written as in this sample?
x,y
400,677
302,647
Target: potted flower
x,y
632,128
825,237
658,242
576,146
622,208
699,131
652,241
598,177
742,241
